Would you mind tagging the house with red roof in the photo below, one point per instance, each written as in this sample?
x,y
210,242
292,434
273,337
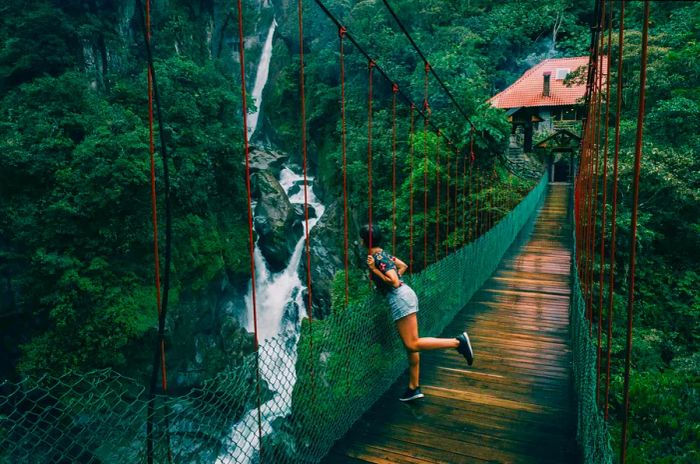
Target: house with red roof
x,y
546,103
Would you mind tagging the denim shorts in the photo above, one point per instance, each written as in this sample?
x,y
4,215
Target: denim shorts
x,y
402,301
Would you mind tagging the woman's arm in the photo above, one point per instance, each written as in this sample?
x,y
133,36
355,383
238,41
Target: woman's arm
x,y
391,277
401,266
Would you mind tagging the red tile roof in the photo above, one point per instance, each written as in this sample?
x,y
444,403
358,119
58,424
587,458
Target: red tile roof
x,y
527,91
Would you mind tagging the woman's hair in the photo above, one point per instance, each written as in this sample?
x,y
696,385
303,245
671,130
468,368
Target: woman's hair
x,y
374,231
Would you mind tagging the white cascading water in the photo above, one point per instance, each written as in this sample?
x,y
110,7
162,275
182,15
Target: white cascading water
x,y
280,309
261,79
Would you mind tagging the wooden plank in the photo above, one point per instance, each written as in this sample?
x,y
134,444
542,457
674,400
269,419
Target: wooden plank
x,y
474,423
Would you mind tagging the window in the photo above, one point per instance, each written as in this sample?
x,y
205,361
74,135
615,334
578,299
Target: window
x,y
562,73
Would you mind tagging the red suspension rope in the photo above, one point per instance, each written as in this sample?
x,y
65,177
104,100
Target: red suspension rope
x,y
604,203
394,90
154,198
309,286
463,181
161,301
410,195
593,212
437,188
493,198
477,211
633,232
588,143
596,135
613,214
471,203
447,206
251,242
472,157
341,34
426,110
370,67
458,185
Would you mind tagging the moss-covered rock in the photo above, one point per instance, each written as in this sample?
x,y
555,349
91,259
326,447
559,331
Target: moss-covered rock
x,y
274,221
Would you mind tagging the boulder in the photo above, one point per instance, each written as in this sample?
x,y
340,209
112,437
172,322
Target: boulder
x,y
267,161
299,211
327,257
274,221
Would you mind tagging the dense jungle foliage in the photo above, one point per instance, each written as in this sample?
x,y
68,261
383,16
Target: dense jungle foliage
x,y
76,255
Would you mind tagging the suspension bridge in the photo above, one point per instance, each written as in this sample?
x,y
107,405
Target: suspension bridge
x,y
520,277
515,404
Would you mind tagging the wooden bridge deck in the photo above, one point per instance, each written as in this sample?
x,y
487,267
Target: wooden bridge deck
x,y
515,404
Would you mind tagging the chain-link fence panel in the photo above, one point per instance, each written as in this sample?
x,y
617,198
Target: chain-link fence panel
x,y
592,432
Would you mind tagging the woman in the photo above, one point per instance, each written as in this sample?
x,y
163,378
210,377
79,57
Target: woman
x,y
386,272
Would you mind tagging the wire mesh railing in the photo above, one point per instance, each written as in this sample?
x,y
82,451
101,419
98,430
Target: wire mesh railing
x,y
591,432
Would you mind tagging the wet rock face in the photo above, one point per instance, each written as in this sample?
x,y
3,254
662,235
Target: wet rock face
x,y
275,219
204,335
327,256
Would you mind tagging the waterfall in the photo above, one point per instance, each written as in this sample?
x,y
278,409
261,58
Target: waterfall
x,y
280,309
261,79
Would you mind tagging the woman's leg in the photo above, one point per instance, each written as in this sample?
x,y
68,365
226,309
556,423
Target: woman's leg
x,y
408,330
413,369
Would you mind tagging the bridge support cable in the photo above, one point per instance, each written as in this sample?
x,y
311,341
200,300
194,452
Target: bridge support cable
x,y
447,202
593,194
483,186
394,91
455,185
426,111
462,239
488,210
459,193
604,201
251,241
489,197
159,359
477,209
492,198
581,184
633,232
307,239
613,212
469,215
472,157
597,140
438,173
370,68
343,142
412,147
